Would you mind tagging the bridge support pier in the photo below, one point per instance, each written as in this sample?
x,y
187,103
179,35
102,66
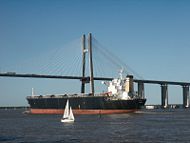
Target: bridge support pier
x,y
164,95
185,96
141,89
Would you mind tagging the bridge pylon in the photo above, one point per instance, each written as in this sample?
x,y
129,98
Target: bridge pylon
x,y
185,96
164,95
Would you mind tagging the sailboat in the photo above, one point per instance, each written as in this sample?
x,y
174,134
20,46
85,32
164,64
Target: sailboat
x,y
68,114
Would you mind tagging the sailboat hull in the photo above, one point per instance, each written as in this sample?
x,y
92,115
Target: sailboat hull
x,y
67,121
83,105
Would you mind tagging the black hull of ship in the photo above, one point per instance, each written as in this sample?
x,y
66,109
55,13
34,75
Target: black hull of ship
x,y
83,104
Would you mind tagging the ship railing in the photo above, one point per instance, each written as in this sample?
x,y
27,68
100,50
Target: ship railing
x,y
56,96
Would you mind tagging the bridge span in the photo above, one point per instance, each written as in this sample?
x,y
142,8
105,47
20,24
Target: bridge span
x,y
140,82
90,79
164,90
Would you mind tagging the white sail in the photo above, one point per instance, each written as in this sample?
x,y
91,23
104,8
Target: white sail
x,y
66,112
71,116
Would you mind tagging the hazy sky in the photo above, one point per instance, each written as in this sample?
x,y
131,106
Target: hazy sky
x,y
152,36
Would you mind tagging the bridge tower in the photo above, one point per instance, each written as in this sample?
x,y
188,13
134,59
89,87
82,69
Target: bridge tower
x,y
83,81
91,64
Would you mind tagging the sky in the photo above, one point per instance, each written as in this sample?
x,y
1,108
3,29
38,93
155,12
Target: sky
x,y
151,36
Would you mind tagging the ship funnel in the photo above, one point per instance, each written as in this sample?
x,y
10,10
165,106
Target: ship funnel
x,y
129,87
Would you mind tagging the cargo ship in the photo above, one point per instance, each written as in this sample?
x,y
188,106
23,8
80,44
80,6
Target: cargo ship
x,y
119,98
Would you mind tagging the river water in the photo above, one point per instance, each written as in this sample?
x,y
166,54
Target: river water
x,y
170,125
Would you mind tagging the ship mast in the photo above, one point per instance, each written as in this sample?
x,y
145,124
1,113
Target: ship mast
x,y
91,64
83,64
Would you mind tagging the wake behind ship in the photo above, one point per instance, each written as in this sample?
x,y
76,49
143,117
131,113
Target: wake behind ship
x,y
119,98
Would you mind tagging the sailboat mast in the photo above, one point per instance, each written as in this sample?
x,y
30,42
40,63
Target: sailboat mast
x,y
83,64
91,63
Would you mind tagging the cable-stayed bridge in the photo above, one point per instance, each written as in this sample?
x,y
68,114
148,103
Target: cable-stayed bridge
x,y
76,69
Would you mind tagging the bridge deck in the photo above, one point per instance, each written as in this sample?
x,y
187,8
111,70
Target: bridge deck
x,y
12,74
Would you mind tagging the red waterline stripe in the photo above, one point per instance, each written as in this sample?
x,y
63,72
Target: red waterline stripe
x,y
81,111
